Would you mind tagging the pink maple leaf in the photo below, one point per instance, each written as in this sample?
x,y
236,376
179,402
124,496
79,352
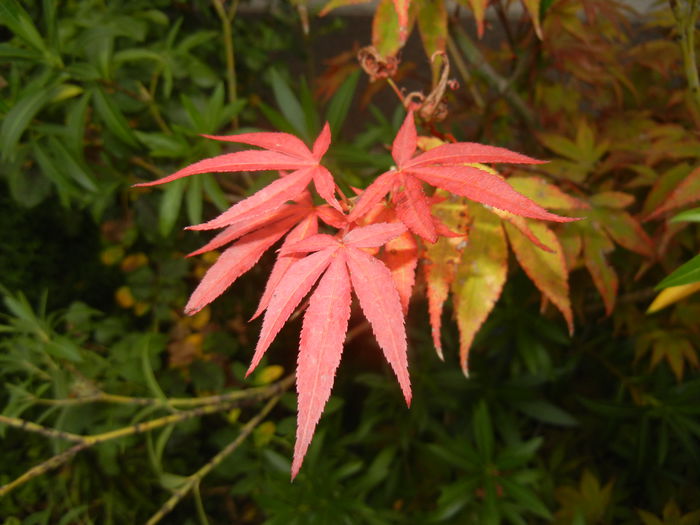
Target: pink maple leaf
x,y
446,166
342,265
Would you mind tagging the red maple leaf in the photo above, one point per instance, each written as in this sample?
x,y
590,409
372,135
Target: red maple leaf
x,y
282,152
344,265
446,166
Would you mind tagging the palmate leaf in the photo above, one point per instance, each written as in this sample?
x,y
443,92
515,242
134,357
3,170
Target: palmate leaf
x,y
442,259
480,277
547,269
595,247
687,192
450,167
344,265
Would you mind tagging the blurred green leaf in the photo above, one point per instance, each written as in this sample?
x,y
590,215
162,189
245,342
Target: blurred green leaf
x,y
686,274
339,105
113,118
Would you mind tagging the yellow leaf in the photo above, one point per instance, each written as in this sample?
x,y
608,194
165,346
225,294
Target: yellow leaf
x,y
533,8
672,294
268,375
480,277
546,269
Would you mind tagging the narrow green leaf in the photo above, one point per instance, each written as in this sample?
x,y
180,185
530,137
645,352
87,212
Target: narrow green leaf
x,y
525,497
147,370
483,431
340,104
214,192
289,104
113,118
19,117
546,412
687,216
194,200
20,23
687,274
170,206
65,188
72,166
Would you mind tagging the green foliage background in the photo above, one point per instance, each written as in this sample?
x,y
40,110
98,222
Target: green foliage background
x,y
550,428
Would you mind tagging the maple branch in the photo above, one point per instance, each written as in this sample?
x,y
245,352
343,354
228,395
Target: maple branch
x,y
456,57
192,481
502,85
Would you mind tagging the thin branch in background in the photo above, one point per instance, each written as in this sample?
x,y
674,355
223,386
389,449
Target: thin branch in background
x,y
502,85
686,15
29,426
101,397
226,18
193,480
84,442
458,61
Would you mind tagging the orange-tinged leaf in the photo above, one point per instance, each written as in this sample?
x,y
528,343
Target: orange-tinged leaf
x,y
533,9
625,230
676,351
386,30
572,245
612,199
381,304
664,185
442,259
401,257
402,7
687,192
320,349
480,277
334,4
432,25
234,262
523,225
545,194
546,269
595,246
479,9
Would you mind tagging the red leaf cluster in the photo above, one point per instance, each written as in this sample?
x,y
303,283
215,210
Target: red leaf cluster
x,y
373,252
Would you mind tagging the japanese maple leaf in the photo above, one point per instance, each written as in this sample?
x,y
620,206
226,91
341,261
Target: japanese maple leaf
x,y
342,265
282,151
253,237
448,167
